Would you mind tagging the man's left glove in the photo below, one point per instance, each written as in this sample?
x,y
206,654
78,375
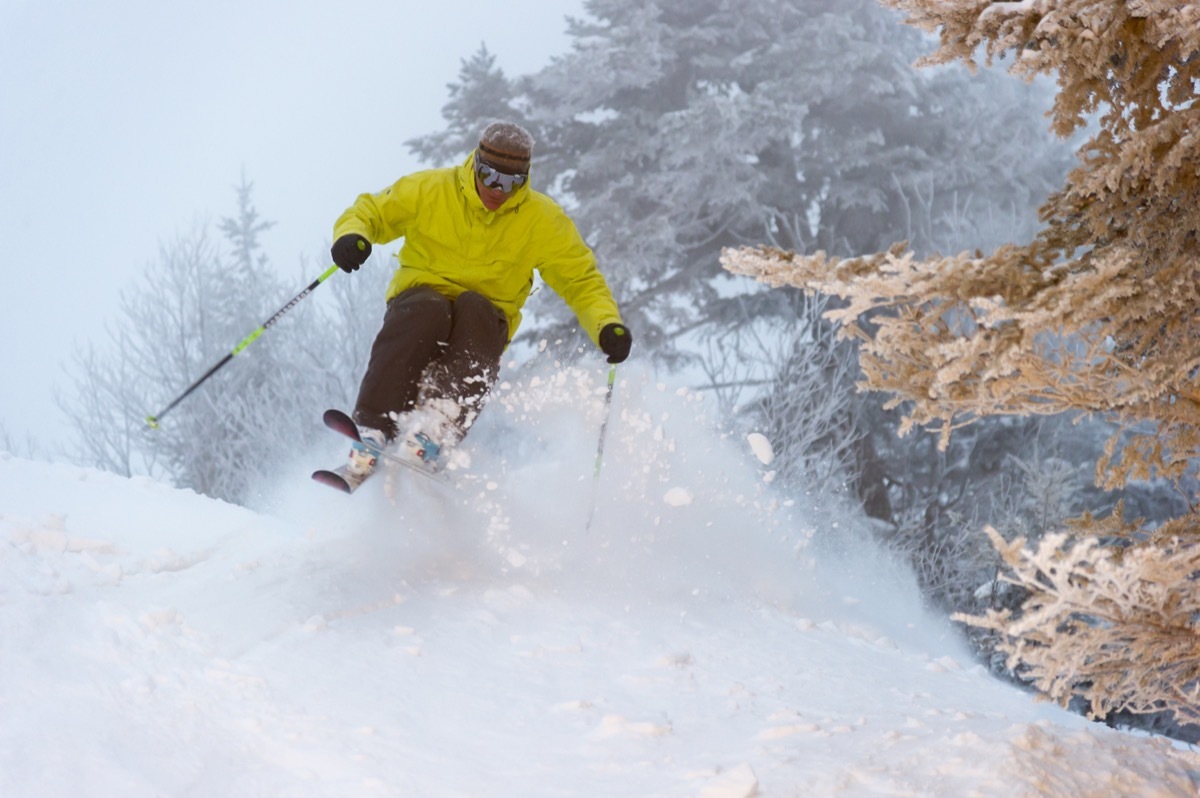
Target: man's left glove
x,y
350,251
615,340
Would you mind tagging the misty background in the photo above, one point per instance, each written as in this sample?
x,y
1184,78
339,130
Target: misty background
x,y
126,123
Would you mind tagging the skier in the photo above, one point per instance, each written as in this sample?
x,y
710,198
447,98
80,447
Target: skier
x,y
473,235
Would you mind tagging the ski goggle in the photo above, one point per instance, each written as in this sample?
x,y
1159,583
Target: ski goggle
x,y
494,178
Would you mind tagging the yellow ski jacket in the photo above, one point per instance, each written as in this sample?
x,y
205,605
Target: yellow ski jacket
x,y
453,244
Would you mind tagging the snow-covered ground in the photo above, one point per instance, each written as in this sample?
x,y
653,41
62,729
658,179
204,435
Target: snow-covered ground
x,y
706,637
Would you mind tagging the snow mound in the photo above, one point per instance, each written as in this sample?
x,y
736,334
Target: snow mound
x,y
473,639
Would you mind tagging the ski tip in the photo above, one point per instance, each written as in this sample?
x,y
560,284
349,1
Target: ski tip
x,y
341,423
335,415
333,480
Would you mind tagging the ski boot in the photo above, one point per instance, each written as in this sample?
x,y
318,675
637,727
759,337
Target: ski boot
x,y
364,455
432,430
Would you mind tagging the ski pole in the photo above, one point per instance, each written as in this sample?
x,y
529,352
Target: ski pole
x,y
612,378
152,421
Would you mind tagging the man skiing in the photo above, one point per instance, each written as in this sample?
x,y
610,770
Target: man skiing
x,y
473,236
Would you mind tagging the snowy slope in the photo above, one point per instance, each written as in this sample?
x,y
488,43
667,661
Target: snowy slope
x,y
471,640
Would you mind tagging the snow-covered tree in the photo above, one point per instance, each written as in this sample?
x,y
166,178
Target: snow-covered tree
x,y
1097,313
148,347
672,130
1115,625
191,307
481,95
793,381
677,129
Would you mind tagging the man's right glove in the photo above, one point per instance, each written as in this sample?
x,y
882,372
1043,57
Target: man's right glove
x,y
615,340
350,251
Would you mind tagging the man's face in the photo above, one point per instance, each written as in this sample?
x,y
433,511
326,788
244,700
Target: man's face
x,y
495,186
492,198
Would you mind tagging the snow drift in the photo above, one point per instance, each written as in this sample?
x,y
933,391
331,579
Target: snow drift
x,y
471,639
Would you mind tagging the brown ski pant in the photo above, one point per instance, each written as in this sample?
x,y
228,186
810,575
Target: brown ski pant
x,y
431,347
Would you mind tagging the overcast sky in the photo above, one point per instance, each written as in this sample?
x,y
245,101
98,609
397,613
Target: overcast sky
x,y
125,123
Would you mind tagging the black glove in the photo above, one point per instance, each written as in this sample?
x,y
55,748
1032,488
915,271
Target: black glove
x,y
350,251
615,340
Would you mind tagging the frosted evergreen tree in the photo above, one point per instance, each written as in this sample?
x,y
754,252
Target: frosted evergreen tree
x,y
481,95
675,130
1094,315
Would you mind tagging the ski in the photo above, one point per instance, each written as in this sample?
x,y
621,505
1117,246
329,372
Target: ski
x,y
339,478
341,422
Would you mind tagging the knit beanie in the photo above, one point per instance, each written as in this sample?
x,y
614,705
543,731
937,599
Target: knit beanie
x,y
506,147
